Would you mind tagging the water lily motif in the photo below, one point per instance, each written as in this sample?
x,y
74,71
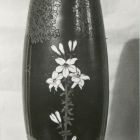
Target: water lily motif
x,y
55,81
74,138
56,117
66,66
78,79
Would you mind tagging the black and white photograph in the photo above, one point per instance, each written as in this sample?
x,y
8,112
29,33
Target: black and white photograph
x,y
69,70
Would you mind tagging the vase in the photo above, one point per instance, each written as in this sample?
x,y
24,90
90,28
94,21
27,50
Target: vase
x,y
65,74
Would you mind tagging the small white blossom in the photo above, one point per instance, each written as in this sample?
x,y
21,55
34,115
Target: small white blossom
x,y
56,117
78,79
55,81
72,45
53,118
74,138
61,48
66,66
54,48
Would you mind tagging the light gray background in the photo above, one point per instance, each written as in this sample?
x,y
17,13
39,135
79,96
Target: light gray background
x,y
121,25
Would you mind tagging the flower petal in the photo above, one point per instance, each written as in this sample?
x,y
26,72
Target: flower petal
x,y
57,82
75,79
78,71
85,77
65,72
53,118
58,116
81,82
80,86
72,68
61,86
49,81
54,75
71,61
60,61
70,45
74,85
50,87
74,45
72,74
59,68
60,76
74,138
61,48
55,86
55,49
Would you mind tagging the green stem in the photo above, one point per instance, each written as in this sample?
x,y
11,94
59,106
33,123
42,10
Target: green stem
x,y
67,111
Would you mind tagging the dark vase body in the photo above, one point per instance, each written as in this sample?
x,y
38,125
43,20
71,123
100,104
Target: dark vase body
x,y
65,71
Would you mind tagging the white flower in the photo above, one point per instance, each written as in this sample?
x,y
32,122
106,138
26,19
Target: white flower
x,y
66,66
78,79
58,51
72,45
54,48
61,48
56,117
74,138
55,81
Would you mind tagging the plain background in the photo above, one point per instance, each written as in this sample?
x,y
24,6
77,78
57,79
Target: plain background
x,y
121,25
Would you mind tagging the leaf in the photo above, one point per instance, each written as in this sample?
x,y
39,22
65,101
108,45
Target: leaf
x,y
65,133
62,94
69,123
70,113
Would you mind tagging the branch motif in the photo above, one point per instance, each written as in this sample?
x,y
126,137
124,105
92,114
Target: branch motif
x,y
66,77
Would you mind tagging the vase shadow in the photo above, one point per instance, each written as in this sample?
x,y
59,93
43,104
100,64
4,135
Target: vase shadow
x,y
123,122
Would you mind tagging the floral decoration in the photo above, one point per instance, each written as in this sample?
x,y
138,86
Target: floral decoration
x,y
65,77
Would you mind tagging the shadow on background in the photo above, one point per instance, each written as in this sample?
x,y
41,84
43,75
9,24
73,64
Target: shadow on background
x,y
124,120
